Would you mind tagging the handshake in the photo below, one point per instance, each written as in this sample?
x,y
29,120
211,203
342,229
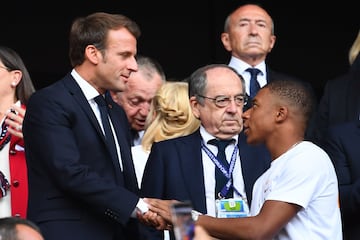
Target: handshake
x,y
175,215
172,214
159,214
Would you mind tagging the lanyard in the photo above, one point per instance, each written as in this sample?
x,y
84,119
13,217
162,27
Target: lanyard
x,y
227,172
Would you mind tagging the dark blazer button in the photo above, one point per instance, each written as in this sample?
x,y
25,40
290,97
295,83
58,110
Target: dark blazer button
x,y
15,183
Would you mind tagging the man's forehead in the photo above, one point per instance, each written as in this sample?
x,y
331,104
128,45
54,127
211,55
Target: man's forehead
x,y
223,77
225,88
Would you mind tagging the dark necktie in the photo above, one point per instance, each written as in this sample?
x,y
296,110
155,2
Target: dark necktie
x,y
110,140
254,84
134,136
220,178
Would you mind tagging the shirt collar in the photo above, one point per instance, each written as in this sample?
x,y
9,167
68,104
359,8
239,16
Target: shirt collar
x,y
89,91
206,136
241,66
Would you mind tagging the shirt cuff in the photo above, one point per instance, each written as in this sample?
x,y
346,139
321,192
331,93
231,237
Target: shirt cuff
x,y
140,206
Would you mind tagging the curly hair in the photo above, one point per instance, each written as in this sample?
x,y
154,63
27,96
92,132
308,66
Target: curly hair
x,y
170,114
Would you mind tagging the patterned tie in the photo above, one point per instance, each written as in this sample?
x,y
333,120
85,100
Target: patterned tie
x,y
4,135
254,84
4,185
220,178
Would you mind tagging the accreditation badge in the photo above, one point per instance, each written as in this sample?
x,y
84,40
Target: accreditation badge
x,y
231,208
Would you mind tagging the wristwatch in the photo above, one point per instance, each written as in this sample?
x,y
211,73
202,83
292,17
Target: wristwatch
x,y
195,215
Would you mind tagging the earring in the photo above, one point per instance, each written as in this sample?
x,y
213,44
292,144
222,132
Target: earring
x,y
13,84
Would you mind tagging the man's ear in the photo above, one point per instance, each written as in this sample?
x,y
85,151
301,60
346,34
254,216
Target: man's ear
x,y
281,114
226,41
194,106
92,54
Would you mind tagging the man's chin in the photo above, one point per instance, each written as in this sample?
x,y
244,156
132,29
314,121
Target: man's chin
x,y
234,131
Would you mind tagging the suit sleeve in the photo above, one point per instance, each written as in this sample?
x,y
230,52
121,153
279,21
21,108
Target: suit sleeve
x,y
68,161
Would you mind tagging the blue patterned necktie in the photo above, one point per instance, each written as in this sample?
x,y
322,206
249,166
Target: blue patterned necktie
x,y
254,84
220,178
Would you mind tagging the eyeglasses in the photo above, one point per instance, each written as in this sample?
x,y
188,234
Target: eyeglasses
x,y
223,101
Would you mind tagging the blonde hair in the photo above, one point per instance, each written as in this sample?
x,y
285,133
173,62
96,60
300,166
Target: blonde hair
x,y
355,49
170,114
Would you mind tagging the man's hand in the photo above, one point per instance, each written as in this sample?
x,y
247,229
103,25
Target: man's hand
x,y
161,207
152,219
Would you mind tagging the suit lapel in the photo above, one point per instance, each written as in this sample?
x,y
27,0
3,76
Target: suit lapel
x,y
246,164
119,122
79,97
192,168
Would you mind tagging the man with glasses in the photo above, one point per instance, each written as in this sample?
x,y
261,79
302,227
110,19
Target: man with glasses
x,y
186,168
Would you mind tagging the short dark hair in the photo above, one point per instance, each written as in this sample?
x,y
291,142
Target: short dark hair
x,y
93,30
296,93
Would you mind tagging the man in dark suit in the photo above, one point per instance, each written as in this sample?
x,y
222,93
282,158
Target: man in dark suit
x,y
342,145
249,36
80,187
341,99
184,168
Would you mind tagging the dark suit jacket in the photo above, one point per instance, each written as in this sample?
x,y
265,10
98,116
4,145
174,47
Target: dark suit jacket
x,y
76,190
340,101
174,169
342,145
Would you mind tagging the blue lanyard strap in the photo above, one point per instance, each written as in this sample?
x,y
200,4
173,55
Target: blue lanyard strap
x,y
227,172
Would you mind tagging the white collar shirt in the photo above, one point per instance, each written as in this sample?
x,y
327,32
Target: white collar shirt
x,y
209,171
241,67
